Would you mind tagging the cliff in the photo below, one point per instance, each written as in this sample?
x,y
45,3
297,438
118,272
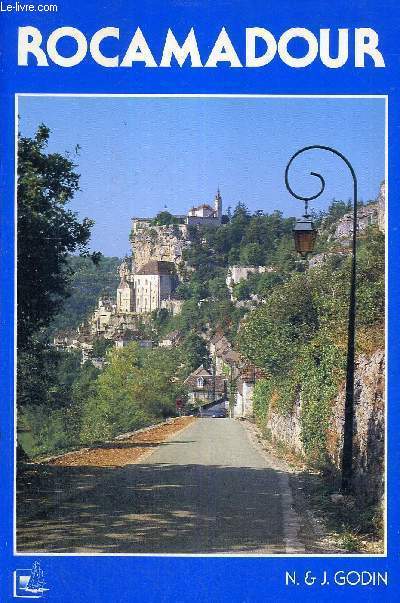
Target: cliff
x,y
162,243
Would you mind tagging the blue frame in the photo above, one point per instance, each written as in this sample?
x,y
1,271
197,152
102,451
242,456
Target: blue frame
x,y
163,578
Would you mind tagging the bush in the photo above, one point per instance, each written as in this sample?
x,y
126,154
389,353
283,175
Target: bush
x,y
299,337
137,388
261,398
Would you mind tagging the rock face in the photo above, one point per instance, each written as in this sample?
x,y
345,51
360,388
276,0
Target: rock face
x,y
369,427
382,207
162,243
287,428
372,213
320,258
367,216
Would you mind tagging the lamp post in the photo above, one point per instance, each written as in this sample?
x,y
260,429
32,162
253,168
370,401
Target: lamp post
x,y
304,235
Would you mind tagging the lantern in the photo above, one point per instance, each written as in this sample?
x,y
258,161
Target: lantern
x,y
304,235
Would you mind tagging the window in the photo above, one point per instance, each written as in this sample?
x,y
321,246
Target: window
x,y
200,382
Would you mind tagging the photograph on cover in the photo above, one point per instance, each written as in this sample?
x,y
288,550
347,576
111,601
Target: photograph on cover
x,y
200,325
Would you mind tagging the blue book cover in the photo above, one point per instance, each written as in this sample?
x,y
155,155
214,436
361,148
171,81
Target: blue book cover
x,y
198,301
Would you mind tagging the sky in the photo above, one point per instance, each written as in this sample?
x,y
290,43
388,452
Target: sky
x,y
139,156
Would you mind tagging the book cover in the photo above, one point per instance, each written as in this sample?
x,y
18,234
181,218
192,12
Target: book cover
x,y
198,301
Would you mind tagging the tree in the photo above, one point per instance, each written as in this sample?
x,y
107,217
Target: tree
x,y
252,254
47,232
136,388
272,334
87,282
241,290
164,218
100,347
195,352
217,288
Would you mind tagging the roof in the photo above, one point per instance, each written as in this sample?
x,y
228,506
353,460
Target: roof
x,y
224,350
208,381
199,372
202,206
231,357
157,267
216,337
205,206
172,335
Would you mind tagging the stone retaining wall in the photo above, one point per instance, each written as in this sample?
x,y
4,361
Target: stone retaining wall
x,y
369,427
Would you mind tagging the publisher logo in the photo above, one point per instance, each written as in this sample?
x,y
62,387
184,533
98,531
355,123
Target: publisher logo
x,y
29,583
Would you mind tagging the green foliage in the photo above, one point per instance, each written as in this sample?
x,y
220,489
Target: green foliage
x,y
51,430
242,289
244,239
86,283
36,374
136,388
55,421
261,397
101,346
298,336
47,232
195,352
320,372
335,211
273,333
217,288
164,218
252,254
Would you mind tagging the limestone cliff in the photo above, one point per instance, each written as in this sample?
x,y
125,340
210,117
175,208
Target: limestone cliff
x,y
162,243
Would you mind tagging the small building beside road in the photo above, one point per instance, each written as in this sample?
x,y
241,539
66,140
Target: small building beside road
x,y
204,387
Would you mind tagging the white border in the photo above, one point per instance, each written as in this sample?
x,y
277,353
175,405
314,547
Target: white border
x,y
255,96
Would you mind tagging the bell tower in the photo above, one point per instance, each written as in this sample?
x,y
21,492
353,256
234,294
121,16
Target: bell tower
x,y
218,205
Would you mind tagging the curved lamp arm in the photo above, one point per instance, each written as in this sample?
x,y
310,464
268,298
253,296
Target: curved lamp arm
x,y
306,199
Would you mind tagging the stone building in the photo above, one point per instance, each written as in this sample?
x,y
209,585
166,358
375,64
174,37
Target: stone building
x,y
102,315
125,297
204,387
171,339
125,291
154,282
205,215
149,277
174,306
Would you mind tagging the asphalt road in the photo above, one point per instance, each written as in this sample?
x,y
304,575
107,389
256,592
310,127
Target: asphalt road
x,y
207,490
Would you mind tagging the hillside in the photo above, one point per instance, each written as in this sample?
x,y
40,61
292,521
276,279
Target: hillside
x,y
87,282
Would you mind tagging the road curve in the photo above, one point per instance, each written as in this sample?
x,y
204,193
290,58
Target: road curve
x,y
207,490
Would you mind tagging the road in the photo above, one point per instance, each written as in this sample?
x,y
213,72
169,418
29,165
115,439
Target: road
x,y
207,490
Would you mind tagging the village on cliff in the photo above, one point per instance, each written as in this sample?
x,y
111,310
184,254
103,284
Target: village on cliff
x,y
149,278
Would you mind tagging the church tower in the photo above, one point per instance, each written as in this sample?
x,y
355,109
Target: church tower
x,y
218,205
125,291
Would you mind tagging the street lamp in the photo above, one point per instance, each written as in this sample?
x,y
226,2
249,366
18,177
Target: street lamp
x,y
304,235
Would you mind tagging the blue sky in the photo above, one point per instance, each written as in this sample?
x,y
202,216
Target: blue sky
x,y
139,155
